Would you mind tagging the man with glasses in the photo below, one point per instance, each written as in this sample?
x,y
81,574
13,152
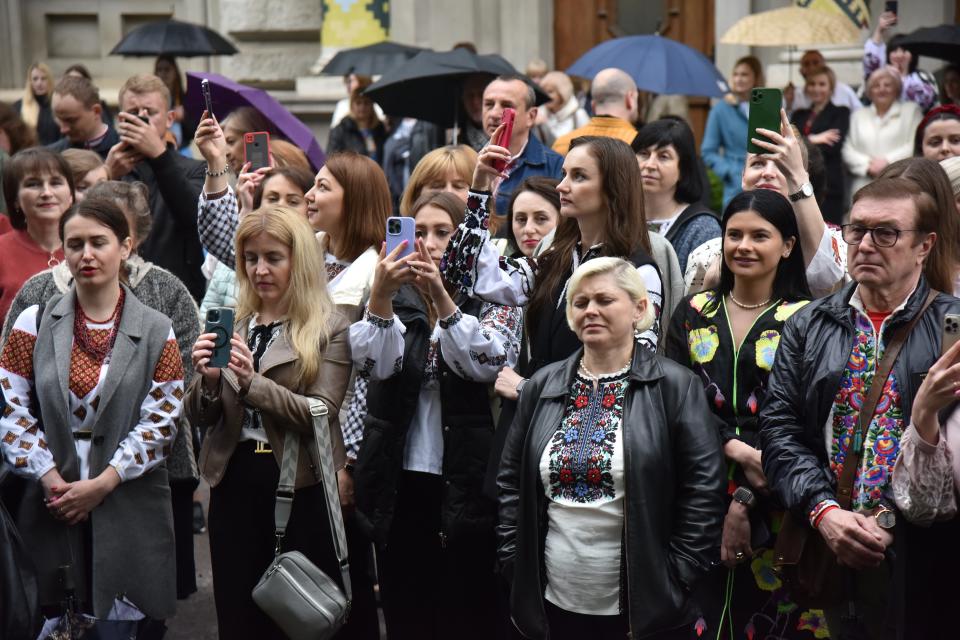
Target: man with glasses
x,y
826,364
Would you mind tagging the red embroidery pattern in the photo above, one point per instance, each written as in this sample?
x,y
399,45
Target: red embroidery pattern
x,y
85,368
170,366
17,355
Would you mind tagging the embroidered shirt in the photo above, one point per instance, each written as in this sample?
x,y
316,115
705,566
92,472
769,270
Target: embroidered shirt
x,y
582,470
915,87
23,438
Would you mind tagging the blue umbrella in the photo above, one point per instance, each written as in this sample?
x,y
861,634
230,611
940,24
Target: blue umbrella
x,y
657,64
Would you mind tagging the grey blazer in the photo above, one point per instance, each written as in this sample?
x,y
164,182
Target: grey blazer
x,y
133,547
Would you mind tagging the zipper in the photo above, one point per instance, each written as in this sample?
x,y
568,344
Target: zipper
x,y
736,351
626,508
306,596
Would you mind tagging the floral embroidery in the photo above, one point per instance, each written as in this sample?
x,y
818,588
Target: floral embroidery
x,y
787,309
814,620
882,442
334,269
377,321
763,571
703,344
455,317
699,301
581,451
766,348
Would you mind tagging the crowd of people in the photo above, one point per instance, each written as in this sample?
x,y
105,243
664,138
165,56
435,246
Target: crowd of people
x,y
592,398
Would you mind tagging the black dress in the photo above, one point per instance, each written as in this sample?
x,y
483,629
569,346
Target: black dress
x,y
48,131
831,117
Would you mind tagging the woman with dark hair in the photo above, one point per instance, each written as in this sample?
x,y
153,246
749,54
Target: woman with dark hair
x,y
87,167
14,136
950,91
533,212
38,187
361,131
103,371
825,125
728,336
601,210
918,86
724,145
429,354
672,189
938,134
165,67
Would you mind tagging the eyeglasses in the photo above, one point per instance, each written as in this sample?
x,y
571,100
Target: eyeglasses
x,y
881,236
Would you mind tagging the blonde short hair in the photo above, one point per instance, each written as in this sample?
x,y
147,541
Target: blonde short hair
x,y
951,166
624,274
892,73
560,81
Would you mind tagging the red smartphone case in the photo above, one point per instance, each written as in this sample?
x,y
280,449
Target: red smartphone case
x,y
509,115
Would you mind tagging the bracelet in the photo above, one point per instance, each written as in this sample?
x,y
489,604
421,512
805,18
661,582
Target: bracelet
x,y
217,174
827,509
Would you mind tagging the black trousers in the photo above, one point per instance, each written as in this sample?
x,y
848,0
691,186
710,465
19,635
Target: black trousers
x,y
434,589
242,539
181,496
567,625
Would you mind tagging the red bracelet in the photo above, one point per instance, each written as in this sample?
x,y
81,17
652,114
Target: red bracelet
x,y
816,522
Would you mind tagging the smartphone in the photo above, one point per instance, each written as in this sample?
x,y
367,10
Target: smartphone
x,y
951,332
207,101
220,323
400,228
144,119
891,6
256,149
509,115
765,105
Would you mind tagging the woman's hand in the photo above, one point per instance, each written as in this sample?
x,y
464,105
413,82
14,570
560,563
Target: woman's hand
x,y
247,183
735,545
391,274
887,20
939,389
241,362
345,488
200,356
79,498
53,484
829,137
506,384
428,278
749,460
784,149
485,171
876,166
211,142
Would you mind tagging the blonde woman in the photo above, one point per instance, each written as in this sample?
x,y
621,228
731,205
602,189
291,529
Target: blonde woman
x,y
290,344
447,169
34,107
563,113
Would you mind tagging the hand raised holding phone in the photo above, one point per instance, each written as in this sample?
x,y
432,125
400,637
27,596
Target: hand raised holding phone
x,y
492,160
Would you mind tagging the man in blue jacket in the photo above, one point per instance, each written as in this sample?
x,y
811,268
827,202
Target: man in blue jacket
x,y
530,157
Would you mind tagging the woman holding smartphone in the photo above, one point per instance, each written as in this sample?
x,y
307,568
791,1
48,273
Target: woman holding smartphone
x,y
601,210
429,355
289,344
104,372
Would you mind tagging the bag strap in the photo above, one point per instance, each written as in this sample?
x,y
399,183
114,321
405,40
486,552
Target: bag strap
x,y
869,407
328,477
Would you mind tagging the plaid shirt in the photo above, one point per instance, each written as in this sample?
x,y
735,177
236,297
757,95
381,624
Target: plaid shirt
x,y
217,221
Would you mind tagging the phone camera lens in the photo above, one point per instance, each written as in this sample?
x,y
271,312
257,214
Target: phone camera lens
x,y
394,227
213,315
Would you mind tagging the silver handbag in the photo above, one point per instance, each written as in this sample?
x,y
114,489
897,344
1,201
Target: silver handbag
x,y
300,598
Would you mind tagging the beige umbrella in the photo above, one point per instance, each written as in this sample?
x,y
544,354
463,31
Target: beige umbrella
x,y
792,26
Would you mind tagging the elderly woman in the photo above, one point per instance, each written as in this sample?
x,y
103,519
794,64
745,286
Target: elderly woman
x,y
917,86
883,132
563,113
614,456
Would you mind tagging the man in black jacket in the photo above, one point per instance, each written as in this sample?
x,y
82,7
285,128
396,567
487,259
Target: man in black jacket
x,y
146,153
826,363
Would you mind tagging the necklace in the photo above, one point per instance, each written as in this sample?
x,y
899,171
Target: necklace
x,y
82,334
748,306
615,374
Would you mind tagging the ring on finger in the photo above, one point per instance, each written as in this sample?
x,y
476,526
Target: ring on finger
x,y
740,555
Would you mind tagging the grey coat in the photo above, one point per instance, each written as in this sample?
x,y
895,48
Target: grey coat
x,y
133,547
158,289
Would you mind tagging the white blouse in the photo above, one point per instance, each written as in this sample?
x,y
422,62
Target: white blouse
x,y
23,441
474,348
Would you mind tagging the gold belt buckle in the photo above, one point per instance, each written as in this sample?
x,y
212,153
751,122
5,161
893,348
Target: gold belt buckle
x,y
262,447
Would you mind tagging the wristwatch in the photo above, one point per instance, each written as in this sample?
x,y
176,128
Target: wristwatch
x,y
886,519
806,190
745,497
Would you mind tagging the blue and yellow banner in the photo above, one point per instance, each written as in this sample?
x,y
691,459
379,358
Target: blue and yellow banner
x,y
856,10
354,23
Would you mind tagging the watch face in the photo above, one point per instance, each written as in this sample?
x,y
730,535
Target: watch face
x,y
886,519
807,189
743,495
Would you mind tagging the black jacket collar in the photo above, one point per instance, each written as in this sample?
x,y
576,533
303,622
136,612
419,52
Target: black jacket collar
x,y
645,368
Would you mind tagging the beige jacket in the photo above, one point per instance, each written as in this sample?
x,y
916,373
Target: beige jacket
x,y
282,400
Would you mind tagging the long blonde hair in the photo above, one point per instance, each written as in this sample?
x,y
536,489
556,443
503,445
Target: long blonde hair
x,y
29,107
309,306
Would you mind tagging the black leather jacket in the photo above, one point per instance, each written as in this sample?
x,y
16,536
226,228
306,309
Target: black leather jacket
x,y
674,480
814,348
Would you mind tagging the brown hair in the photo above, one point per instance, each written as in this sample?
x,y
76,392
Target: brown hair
x,y
103,210
936,211
145,83
247,120
453,207
21,135
132,198
366,203
824,71
287,154
434,166
542,186
356,96
754,63
296,175
82,162
625,222
36,160
85,92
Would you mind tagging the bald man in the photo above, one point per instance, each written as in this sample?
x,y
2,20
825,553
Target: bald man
x,y
614,99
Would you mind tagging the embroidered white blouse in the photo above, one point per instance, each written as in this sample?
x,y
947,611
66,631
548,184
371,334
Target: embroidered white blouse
x,y
474,348
23,440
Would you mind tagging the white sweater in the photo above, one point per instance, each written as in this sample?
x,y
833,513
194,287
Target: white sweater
x,y
873,136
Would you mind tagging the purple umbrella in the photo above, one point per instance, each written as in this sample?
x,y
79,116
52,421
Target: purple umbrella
x,y
227,95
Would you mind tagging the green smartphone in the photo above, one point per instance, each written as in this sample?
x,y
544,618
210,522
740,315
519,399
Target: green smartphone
x,y
765,104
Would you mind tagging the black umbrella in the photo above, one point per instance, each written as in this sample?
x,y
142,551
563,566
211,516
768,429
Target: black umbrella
x,y
429,86
941,42
174,38
371,60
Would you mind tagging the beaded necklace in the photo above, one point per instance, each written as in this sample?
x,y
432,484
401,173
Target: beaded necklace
x,y
81,332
